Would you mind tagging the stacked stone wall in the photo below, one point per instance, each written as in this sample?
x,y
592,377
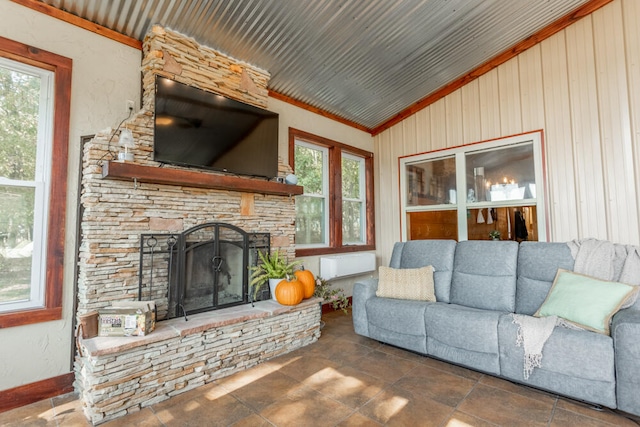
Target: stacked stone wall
x,y
113,384
115,213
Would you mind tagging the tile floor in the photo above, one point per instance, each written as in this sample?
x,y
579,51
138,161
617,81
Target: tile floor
x,y
343,380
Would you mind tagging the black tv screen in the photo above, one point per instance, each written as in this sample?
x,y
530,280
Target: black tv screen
x,y
201,129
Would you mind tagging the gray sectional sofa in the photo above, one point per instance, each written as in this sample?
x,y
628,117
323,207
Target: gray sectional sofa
x,y
477,285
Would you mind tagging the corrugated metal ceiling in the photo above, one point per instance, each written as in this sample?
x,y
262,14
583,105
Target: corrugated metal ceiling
x,y
362,60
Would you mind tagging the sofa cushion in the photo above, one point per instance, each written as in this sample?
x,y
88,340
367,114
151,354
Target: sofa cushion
x,y
406,283
422,253
538,263
484,274
397,322
574,363
463,335
585,301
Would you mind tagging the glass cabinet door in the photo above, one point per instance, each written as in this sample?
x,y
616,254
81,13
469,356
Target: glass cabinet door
x,y
431,182
504,173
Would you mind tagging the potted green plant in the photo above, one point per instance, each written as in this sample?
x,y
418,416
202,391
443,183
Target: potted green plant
x,y
271,268
334,296
494,235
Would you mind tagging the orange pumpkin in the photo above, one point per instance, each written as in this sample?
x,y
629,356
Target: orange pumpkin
x,y
305,277
289,292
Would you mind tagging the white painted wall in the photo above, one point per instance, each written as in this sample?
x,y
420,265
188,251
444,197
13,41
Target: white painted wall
x,y
298,118
582,87
105,75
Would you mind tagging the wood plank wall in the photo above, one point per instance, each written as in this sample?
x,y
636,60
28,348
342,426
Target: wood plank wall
x,y
582,87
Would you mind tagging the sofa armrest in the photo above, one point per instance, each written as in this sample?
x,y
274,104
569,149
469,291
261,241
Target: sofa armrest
x,y
625,331
362,291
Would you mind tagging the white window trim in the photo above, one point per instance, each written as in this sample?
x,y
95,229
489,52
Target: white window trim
x,y
325,193
362,199
41,184
535,138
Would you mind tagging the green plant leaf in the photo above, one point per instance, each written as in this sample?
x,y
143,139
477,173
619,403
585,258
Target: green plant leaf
x,y
271,266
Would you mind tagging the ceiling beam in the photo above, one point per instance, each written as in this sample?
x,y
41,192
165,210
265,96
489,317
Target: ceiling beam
x,y
494,62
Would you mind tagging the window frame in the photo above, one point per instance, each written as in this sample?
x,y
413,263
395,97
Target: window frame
x,y
39,184
362,190
335,193
325,196
459,153
57,195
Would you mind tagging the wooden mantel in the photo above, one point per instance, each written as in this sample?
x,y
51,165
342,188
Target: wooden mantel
x,y
187,178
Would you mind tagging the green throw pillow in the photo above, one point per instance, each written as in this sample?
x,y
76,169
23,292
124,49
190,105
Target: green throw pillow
x,y
585,301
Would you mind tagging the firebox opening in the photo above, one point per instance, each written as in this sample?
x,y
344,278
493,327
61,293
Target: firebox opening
x,y
205,268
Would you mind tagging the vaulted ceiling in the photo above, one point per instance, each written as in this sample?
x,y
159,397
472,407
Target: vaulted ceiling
x,y
366,62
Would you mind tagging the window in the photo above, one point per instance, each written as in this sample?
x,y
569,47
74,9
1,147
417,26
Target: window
x,y
354,220
25,159
34,122
476,192
312,221
335,212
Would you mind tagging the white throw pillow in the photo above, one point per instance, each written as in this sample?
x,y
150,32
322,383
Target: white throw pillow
x,y
406,283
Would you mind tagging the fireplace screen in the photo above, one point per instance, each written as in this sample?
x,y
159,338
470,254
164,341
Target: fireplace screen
x,y
201,269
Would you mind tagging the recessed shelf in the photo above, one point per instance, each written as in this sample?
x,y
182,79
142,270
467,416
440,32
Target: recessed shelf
x,y
168,176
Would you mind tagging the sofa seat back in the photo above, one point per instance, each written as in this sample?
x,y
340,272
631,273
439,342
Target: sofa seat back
x,y
484,275
421,253
538,263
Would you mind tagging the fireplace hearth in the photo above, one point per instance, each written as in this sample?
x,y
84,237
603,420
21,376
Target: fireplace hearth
x,y
204,268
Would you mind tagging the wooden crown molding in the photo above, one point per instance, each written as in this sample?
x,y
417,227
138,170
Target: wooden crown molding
x,y
501,58
584,10
80,22
317,111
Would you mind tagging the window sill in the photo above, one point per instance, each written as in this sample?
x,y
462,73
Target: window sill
x,y
28,317
332,251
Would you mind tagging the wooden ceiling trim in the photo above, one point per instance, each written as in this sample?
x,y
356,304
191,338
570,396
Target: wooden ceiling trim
x,y
129,41
80,22
317,111
496,61
559,25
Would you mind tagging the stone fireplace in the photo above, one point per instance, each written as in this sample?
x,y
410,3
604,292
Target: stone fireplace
x,y
157,199
134,218
204,268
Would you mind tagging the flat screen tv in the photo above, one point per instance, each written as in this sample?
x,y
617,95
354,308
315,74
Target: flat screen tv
x,y
201,129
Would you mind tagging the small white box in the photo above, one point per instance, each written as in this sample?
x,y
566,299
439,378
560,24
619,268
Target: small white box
x,y
127,318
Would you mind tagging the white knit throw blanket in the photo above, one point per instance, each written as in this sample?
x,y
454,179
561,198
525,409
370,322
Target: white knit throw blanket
x,y
597,258
533,333
606,260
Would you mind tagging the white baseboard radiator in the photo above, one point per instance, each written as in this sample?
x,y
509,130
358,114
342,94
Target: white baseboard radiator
x,y
332,267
